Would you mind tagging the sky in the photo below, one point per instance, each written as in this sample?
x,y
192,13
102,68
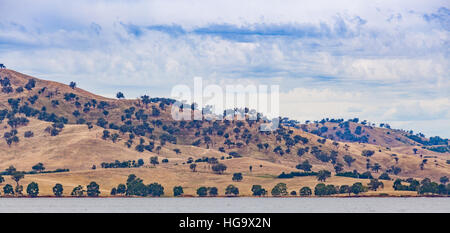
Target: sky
x,y
383,61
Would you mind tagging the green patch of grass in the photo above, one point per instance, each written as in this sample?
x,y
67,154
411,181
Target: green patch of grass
x,y
269,176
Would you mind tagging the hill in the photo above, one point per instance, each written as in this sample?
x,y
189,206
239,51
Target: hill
x,y
103,140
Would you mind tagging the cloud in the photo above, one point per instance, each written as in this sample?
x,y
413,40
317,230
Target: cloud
x,y
384,60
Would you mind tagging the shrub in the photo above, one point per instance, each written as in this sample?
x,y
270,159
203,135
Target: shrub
x,y
258,190
28,134
177,191
279,190
305,191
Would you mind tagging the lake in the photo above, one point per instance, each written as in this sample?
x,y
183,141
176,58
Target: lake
x,y
226,205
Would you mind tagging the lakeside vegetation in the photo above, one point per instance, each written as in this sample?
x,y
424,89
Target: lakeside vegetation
x,y
135,186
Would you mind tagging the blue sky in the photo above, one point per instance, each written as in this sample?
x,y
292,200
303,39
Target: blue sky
x,y
384,61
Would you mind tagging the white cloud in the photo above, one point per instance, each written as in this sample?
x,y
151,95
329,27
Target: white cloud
x,y
380,60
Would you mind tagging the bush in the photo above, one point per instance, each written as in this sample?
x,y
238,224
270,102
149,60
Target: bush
x,y
33,189
237,177
258,190
367,153
294,174
202,191
177,191
231,190
28,134
279,190
305,191
384,176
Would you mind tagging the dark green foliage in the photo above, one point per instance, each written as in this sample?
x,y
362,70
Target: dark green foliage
x,y
305,191
177,191
93,189
355,174
322,175
384,176
231,190
219,168
120,95
357,188
349,160
8,190
257,190
237,177
28,134
155,190
38,167
78,191
367,153
33,189
294,174
202,191
323,190
58,190
212,191
374,184
279,190
30,84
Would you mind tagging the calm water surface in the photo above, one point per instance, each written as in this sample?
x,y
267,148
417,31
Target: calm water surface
x,y
226,205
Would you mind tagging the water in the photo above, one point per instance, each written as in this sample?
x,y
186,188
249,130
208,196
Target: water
x,y
227,205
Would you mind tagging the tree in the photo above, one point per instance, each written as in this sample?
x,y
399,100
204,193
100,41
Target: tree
x,y
344,189
58,190
374,184
376,167
415,150
154,160
17,176
120,95
357,188
193,166
305,191
305,166
10,170
77,191
202,191
219,168
177,191
33,189
258,190
113,191
2,179
279,190
338,167
155,190
38,167
93,189
443,180
231,190
320,190
349,160
145,100
367,153
237,177
322,175
212,191
8,190
121,189
73,85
